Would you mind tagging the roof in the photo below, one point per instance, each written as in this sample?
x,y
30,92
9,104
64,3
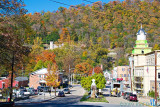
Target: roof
x,y
21,78
41,71
141,31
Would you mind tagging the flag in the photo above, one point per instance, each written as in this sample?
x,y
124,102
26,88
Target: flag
x,y
147,69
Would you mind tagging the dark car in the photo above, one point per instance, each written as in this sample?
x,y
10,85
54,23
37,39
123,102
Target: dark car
x,y
40,88
35,91
132,97
70,86
61,94
66,91
126,94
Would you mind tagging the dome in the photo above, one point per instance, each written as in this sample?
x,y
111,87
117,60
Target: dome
x,y
141,31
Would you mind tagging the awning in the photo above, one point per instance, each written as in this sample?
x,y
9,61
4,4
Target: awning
x,y
119,79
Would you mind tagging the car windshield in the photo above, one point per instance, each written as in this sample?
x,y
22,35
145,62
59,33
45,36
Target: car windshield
x,y
66,89
134,95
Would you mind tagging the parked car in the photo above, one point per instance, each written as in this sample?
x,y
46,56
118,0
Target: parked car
x,y
61,94
22,88
25,92
31,90
35,91
40,88
70,86
126,95
132,97
1,95
66,91
43,89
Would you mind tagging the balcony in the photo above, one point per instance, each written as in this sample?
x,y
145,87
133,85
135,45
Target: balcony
x,y
138,88
138,82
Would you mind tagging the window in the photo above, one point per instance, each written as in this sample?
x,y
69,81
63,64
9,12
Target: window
x,y
121,75
39,76
123,69
159,75
124,75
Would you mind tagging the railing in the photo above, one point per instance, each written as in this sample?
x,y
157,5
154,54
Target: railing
x,y
138,82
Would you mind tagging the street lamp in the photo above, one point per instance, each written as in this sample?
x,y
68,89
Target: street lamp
x,y
70,75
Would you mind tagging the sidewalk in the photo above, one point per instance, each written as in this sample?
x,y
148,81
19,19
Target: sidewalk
x,y
146,101
38,98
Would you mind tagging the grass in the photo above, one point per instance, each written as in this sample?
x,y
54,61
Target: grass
x,y
100,99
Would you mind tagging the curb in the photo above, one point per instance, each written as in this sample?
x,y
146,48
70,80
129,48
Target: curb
x,y
43,100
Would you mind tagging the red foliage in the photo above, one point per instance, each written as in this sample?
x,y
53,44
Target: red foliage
x,y
97,70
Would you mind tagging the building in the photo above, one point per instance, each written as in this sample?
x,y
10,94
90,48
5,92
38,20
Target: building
x,y
123,73
52,45
141,46
114,73
18,82
37,78
142,65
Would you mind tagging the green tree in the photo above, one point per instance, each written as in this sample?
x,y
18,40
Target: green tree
x,y
122,61
39,65
87,81
156,47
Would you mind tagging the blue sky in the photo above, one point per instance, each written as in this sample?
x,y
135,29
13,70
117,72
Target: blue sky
x,y
48,5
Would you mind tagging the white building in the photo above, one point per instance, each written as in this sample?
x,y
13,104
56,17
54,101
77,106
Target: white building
x,y
142,64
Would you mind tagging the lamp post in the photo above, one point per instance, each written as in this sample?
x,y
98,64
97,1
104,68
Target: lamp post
x,y
70,75
156,78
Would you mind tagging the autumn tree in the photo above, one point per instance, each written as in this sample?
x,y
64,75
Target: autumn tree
x,y
156,47
97,70
11,25
52,77
83,68
36,50
64,36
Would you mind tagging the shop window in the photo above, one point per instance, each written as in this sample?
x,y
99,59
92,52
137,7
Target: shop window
x,y
159,75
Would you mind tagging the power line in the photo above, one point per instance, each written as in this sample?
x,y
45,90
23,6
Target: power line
x,y
59,2
88,1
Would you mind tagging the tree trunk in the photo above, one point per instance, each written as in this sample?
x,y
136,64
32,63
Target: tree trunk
x,y
55,91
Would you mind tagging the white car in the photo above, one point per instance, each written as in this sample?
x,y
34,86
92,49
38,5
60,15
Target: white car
x,y
27,93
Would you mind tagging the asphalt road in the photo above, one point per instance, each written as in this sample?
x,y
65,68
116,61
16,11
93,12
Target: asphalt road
x,y
72,100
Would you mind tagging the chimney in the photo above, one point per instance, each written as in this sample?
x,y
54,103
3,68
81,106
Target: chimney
x,y
51,44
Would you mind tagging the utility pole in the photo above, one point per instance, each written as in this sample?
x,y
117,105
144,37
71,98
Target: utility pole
x,y
12,78
156,78
69,73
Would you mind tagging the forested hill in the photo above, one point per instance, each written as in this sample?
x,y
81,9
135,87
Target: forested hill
x,y
115,23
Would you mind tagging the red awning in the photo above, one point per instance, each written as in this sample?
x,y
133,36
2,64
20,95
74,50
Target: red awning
x,y
119,79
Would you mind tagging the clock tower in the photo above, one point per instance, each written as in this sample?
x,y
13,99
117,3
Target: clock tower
x,y
141,46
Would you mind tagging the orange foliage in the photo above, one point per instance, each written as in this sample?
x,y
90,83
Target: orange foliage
x,y
83,68
46,56
97,70
64,36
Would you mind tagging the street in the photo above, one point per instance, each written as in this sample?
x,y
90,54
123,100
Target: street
x,y
73,99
